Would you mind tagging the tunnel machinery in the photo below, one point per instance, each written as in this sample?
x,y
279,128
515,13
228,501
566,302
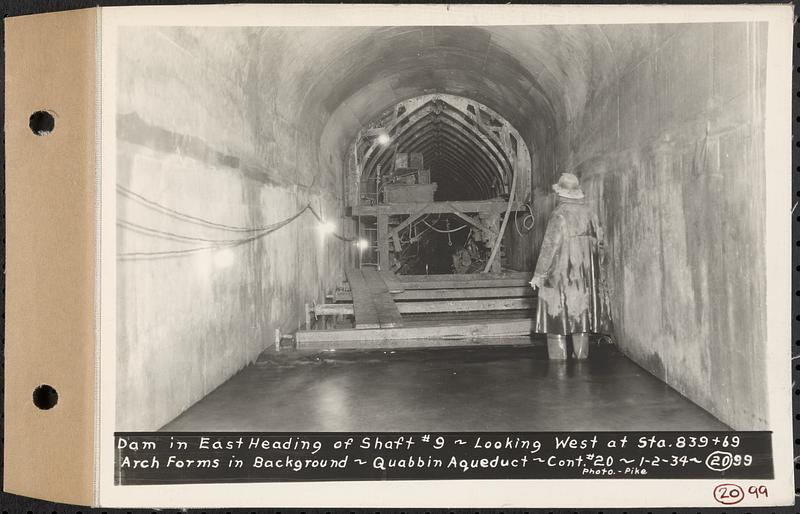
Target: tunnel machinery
x,y
436,168
432,184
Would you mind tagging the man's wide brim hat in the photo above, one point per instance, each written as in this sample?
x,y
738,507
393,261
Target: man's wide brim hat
x,y
568,186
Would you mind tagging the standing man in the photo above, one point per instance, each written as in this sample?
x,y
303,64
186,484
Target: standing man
x,y
572,299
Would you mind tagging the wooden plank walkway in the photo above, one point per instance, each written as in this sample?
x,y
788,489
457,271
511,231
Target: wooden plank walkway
x,y
364,309
373,306
388,315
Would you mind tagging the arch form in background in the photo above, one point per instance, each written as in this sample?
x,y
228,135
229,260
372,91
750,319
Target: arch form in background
x,y
472,151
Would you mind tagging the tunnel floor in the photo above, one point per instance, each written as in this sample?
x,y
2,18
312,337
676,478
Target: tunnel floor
x,y
498,388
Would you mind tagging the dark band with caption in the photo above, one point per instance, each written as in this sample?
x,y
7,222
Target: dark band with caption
x,y
228,457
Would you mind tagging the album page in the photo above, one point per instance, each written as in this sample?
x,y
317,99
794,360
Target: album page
x,y
445,256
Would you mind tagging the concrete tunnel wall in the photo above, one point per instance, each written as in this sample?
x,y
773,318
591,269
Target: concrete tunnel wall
x,y
672,154
198,133
246,125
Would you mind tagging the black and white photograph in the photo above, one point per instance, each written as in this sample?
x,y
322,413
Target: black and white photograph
x,y
447,228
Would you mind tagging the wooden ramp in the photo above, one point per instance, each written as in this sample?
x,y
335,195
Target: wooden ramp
x,y
373,306
388,315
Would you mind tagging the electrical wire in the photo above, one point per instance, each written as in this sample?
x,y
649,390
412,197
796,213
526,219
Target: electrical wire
x,y
183,216
188,217
179,237
217,246
190,251
527,217
218,243
334,234
444,231
532,217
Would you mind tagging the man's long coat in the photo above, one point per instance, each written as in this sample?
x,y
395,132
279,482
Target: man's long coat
x,y
573,297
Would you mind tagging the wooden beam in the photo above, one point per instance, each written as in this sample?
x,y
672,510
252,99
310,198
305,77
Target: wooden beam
x,y
350,338
383,241
333,309
397,284
472,221
474,292
436,207
456,294
466,284
388,315
395,232
416,343
460,277
365,312
493,304
436,306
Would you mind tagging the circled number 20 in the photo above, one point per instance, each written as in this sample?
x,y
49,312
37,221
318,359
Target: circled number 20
x,y
720,461
731,494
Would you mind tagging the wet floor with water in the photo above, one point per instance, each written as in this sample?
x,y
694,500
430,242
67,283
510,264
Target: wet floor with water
x,y
477,388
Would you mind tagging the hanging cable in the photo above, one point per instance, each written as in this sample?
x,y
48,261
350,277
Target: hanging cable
x,y
527,217
189,251
334,234
188,217
171,235
174,236
445,231
449,238
218,243
183,216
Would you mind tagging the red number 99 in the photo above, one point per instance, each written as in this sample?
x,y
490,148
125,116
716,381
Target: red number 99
x,y
758,491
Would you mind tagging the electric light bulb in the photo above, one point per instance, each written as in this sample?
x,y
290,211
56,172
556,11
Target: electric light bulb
x,y
384,139
363,244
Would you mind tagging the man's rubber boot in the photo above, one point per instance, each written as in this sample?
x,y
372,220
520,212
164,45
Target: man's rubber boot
x,y
580,346
557,347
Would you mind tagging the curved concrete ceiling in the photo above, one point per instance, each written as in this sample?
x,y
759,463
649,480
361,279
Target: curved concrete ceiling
x,y
539,78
